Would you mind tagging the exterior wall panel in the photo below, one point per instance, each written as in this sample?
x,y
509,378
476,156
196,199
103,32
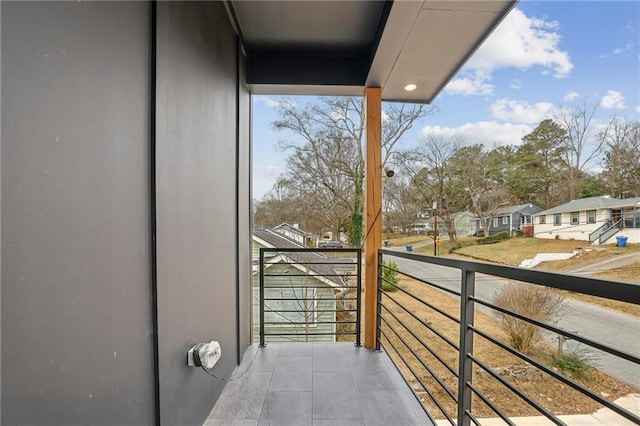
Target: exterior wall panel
x,y
244,209
76,311
197,202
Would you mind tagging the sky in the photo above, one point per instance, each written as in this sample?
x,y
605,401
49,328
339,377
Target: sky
x,y
544,56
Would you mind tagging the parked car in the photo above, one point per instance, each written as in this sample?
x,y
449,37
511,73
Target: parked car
x,y
331,245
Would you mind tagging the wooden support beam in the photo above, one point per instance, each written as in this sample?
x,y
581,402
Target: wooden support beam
x,y
373,222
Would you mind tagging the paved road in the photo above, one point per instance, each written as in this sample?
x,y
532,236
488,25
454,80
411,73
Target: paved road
x,y
617,261
603,325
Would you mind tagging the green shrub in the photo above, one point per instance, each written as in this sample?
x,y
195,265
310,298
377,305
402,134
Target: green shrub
x,y
574,364
390,276
494,238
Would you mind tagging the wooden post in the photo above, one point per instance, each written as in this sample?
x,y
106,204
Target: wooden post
x,y
373,197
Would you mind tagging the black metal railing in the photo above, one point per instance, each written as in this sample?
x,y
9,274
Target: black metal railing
x,y
309,294
439,361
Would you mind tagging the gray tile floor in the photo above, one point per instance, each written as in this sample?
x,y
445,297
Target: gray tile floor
x,y
316,384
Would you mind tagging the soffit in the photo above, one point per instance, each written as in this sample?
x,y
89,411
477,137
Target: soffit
x,y
341,47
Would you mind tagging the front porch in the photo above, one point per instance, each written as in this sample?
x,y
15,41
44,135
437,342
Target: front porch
x,y
316,384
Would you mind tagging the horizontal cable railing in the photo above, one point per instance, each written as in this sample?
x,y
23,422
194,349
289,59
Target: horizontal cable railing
x,y
309,294
448,340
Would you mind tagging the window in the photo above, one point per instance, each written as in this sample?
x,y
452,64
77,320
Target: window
x,y
495,222
575,218
591,216
542,220
505,220
557,219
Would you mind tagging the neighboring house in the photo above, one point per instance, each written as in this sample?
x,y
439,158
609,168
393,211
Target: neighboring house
x,y
420,227
596,220
512,218
299,276
293,231
465,224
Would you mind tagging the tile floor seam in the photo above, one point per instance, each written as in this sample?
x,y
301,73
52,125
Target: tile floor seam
x,y
264,400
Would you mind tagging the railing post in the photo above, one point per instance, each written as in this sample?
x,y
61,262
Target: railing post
x,y
358,296
261,266
379,302
465,366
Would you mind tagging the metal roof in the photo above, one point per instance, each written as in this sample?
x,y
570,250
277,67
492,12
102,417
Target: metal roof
x,y
340,47
317,263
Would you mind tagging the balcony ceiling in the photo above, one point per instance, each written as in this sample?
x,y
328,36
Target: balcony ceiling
x,y
340,47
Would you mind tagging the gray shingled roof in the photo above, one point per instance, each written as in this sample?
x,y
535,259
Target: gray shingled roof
x,y
592,203
320,264
514,209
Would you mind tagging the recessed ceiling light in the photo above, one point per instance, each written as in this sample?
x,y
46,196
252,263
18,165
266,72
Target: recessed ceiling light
x,y
410,87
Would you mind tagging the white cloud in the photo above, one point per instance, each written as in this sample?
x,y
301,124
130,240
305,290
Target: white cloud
x,y
638,108
571,96
268,171
488,133
627,47
612,100
516,84
523,42
519,41
270,102
520,111
472,85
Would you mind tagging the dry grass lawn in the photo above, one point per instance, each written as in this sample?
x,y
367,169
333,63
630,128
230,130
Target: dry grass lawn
x,y
513,251
396,240
547,391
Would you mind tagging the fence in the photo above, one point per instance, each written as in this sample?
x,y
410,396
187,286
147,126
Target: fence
x,y
439,361
305,295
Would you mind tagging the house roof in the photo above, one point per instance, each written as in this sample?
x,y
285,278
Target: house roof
x,y
308,47
293,228
515,209
593,203
316,262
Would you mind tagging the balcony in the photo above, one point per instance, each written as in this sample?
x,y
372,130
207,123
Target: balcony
x,y
316,384
424,372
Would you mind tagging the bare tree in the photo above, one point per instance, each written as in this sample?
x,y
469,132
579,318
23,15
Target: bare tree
x,y
328,140
478,173
621,162
581,147
433,174
401,202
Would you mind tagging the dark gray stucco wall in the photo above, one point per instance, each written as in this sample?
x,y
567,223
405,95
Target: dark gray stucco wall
x,y
197,193
76,341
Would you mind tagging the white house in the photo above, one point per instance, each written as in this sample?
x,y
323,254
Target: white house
x,y
294,232
596,220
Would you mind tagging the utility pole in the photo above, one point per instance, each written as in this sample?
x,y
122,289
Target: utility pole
x,y
435,228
